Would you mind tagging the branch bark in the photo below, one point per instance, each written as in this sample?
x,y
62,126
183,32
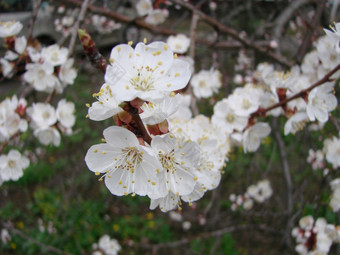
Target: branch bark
x,y
165,31
234,34
326,78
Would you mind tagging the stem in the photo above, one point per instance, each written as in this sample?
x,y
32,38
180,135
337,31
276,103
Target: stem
x,y
135,115
326,78
193,27
76,26
166,31
32,21
233,33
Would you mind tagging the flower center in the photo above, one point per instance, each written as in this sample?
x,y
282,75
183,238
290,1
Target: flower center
x,y
143,81
245,103
168,161
202,84
230,118
12,164
131,157
299,125
46,115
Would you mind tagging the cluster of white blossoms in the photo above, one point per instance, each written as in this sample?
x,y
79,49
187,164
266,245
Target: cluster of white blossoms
x,y
106,246
12,124
315,236
259,192
47,70
50,70
316,159
267,87
9,31
103,25
185,156
46,121
12,165
12,120
153,16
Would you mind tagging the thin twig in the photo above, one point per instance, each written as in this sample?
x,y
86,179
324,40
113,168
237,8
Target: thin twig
x,y
233,33
307,40
193,27
285,16
326,78
76,26
32,21
166,31
286,174
46,247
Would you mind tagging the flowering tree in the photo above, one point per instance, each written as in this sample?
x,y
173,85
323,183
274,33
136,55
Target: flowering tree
x,y
183,108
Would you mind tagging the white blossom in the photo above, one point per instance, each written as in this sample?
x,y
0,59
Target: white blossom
x,y
67,73
252,136
296,123
12,165
179,43
148,72
127,166
42,115
65,113
332,151
320,102
156,17
206,82
10,28
54,55
144,7
107,246
41,76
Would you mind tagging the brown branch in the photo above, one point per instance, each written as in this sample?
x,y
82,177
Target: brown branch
x,y
5,143
138,121
307,40
286,174
32,21
326,78
166,31
76,27
233,33
193,27
92,51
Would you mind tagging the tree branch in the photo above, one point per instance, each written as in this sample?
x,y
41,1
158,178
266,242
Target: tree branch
x,y
233,33
326,78
76,27
165,31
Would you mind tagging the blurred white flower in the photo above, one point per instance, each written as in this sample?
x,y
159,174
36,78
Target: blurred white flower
x,y
10,28
144,7
156,17
206,82
179,43
252,136
65,113
107,246
12,165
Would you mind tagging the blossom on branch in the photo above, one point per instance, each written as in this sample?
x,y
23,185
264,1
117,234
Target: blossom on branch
x,y
12,165
149,72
